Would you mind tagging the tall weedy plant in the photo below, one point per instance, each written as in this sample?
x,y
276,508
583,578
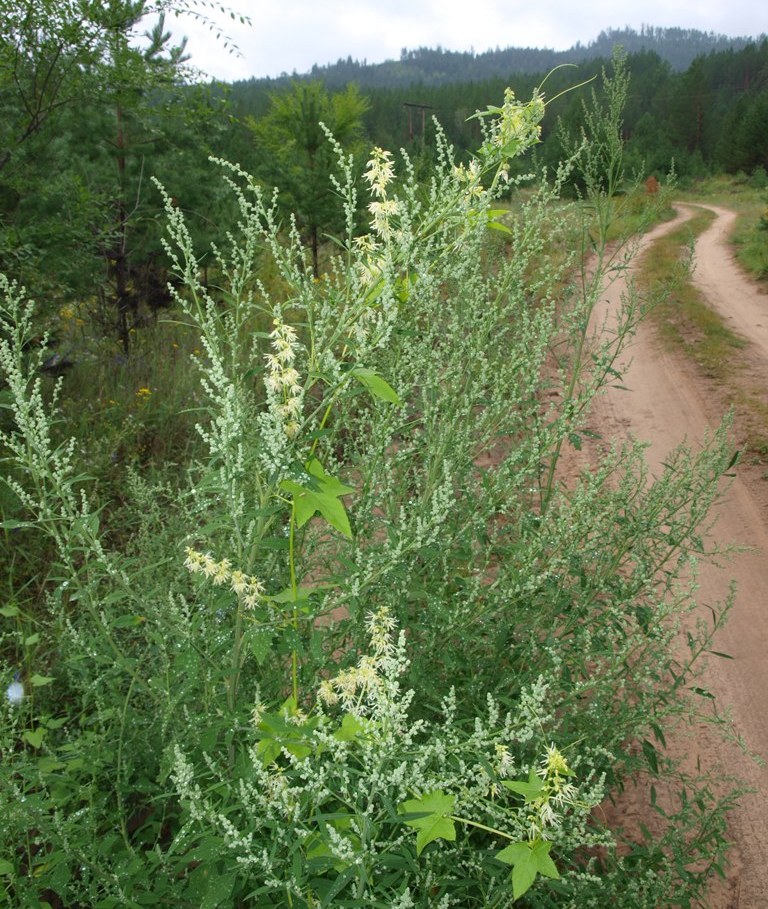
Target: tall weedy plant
x,y
376,647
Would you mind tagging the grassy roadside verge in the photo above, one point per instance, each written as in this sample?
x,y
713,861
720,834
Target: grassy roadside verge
x,y
748,197
686,323
681,314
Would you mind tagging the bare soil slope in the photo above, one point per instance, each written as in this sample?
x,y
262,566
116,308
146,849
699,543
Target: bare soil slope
x,y
667,402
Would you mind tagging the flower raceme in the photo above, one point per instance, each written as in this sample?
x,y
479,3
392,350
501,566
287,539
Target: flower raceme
x,y
282,379
518,124
556,793
514,129
247,587
379,174
362,683
382,212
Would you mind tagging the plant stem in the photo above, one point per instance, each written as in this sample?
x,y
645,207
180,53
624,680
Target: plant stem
x,y
464,820
294,591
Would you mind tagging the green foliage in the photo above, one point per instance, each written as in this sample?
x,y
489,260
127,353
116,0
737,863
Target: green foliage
x,y
355,700
746,148
600,144
295,155
528,860
435,821
690,93
80,224
320,495
91,106
45,50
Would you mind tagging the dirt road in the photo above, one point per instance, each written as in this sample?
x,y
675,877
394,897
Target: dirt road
x,y
669,401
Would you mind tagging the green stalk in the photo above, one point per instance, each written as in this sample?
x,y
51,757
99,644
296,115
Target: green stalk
x,y
493,830
235,659
234,671
588,298
294,591
119,768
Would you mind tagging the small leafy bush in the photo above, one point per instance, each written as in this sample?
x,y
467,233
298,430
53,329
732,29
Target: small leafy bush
x,y
370,644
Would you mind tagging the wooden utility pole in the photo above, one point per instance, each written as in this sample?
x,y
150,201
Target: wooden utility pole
x,y
416,107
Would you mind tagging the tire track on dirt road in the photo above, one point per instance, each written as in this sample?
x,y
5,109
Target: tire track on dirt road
x,y
668,402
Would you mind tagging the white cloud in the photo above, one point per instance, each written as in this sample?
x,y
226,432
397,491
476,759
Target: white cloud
x,y
292,35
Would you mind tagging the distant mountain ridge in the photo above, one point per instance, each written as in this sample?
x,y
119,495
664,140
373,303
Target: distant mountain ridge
x,y
679,47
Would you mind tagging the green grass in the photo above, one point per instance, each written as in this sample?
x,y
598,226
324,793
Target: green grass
x,y
638,210
139,408
751,241
749,199
683,318
686,323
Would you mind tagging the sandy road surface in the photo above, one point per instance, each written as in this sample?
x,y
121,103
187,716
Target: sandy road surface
x,y
744,308
667,403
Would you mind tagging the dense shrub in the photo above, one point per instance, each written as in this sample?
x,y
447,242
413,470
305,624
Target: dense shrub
x,y
372,646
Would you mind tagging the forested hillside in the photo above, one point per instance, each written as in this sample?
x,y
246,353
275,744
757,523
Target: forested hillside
x,y
711,116
697,99
86,124
437,66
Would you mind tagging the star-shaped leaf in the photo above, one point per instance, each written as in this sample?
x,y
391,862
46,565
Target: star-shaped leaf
x,y
436,823
530,790
320,494
528,860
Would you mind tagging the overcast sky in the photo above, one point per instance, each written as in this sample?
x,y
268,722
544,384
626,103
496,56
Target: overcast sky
x,y
291,35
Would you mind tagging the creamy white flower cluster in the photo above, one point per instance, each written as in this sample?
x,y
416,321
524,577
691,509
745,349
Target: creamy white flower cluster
x,y
556,794
353,687
282,380
247,587
469,177
379,174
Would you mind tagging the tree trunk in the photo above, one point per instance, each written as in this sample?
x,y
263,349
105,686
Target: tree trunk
x,y
122,297
315,254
